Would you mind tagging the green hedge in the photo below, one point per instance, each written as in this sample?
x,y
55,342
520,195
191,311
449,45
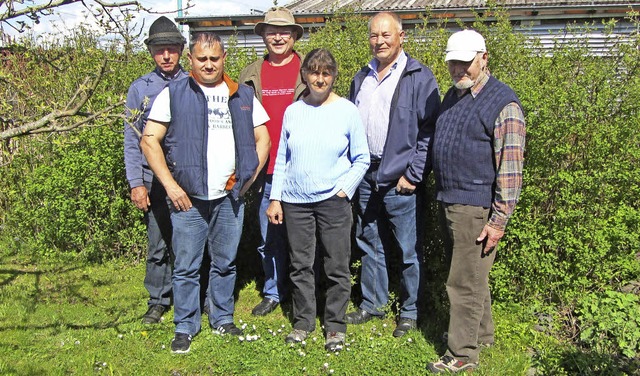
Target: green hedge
x,y
575,232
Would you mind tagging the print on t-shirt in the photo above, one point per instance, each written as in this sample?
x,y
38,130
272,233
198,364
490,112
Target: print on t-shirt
x,y
218,109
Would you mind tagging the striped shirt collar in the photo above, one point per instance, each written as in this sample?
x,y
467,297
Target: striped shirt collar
x,y
401,61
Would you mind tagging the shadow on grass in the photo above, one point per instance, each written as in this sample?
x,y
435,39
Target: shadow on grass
x,y
15,273
70,293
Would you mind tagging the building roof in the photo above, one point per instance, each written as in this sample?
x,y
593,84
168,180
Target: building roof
x,y
537,17
325,6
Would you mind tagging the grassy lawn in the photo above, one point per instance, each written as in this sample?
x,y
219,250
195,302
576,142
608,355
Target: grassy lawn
x,y
85,319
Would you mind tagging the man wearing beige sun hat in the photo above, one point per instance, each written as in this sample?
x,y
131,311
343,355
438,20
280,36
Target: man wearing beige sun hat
x,y
276,80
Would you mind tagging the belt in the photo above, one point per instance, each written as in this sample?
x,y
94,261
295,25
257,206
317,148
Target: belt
x,y
374,164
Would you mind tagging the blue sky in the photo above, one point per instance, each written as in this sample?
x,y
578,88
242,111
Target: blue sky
x,y
66,17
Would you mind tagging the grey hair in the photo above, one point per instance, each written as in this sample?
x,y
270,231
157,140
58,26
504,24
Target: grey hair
x,y
393,15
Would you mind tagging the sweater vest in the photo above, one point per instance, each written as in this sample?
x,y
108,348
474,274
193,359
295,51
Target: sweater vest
x,y
463,155
185,143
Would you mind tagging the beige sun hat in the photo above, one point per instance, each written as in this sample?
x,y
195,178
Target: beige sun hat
x,y
279,16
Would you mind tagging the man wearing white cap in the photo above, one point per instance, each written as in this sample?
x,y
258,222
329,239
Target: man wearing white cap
x,y
276,81
478,154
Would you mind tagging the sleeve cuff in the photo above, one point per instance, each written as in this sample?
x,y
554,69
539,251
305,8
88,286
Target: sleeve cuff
x,y
135,183
498,221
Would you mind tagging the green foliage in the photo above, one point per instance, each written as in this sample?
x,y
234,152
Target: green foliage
x,y
576,226
66,192
345,35
237,57
572,242
610,323
76,201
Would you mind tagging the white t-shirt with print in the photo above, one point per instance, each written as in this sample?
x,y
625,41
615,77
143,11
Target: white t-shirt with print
x,y
221,155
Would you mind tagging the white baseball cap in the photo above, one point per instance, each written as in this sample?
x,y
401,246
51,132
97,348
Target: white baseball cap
x,y
464,45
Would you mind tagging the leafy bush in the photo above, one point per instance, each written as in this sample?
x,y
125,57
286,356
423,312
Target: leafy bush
x,y
576,230
66,192
610,323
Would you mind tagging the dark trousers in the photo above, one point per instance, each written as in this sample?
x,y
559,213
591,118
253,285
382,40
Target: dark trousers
x,y
157,279
470,320
331,219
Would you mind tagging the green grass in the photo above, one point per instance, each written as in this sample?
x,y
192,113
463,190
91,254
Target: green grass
x,y
85,319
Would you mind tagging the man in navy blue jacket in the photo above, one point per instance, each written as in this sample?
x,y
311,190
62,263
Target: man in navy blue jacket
x,y
165,43
398,99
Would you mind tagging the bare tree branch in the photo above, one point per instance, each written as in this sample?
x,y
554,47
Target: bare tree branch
x,y
50,121
84,122
34,12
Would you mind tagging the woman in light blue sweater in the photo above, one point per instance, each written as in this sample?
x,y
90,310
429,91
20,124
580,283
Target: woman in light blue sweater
x,y
322,156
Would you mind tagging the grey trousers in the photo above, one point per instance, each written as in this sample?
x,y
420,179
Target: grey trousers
x,y
470,321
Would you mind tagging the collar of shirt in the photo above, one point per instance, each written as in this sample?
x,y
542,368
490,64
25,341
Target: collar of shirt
x,y
477,88
168,77
399,64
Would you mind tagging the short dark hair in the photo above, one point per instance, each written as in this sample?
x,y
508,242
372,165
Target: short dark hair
x,y
319,59
205,38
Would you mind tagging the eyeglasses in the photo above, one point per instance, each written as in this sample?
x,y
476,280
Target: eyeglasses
x,y
285,34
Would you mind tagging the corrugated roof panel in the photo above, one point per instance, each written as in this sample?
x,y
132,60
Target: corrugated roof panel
x,y
315,6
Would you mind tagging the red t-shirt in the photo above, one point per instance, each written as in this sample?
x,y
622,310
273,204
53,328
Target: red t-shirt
x,y
278,87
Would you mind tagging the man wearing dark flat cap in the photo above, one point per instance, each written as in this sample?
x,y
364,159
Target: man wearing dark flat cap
x,y
165,44
276,81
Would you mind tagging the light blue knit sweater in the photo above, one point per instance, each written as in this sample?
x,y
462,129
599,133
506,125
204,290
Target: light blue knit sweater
x,y
322,150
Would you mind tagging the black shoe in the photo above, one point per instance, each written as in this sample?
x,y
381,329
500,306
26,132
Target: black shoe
x,y
360,317
181,343
229,328
153,315
404,325
265,307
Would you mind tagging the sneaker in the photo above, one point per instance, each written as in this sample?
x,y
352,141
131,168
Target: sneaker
x,y
334,341
296,336
229,328
450,364
181,343
153,315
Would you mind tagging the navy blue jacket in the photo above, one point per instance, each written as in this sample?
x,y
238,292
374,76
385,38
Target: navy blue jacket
x,y
414,110
185,143
140,97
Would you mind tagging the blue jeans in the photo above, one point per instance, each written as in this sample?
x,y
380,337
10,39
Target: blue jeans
x,y
217,224
157,279
272,249
382,212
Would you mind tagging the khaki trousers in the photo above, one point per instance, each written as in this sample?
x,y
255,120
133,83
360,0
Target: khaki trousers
x,y
470,321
